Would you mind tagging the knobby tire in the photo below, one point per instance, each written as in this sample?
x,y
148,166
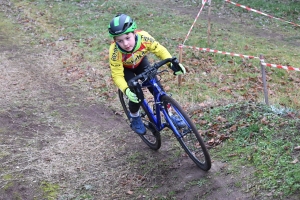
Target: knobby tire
x,y
152,137
191,141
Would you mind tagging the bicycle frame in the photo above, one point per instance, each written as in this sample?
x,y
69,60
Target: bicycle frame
x,y
185,131
159,107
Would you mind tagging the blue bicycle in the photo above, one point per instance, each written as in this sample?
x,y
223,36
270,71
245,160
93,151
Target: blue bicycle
x,y
159,110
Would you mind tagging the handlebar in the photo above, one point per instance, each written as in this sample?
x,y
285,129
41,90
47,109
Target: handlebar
x,y
151,71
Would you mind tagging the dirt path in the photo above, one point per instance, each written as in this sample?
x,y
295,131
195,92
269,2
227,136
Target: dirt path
x,y
50,130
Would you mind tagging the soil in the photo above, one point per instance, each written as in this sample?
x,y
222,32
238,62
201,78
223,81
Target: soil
x,y
57,133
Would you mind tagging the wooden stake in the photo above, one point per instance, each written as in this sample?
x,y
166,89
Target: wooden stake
x,y
263,73
209,25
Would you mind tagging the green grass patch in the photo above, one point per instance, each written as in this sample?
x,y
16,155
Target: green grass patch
x,y
278,8
262,139
50,190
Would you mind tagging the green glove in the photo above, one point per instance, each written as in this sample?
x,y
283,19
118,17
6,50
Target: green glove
x,y
180,71
132,96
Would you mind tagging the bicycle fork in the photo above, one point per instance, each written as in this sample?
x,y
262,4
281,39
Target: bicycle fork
x,y
179,133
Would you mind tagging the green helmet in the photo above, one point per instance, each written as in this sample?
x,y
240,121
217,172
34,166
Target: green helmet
x,y
121,24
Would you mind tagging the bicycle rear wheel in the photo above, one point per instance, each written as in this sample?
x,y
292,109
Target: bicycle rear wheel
x,y
152,137
190,139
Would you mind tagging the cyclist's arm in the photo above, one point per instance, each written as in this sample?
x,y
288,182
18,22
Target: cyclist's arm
x,y
160,51
155,47
117,69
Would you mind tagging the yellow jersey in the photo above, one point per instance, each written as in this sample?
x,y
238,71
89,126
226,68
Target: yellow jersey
x,y
118,59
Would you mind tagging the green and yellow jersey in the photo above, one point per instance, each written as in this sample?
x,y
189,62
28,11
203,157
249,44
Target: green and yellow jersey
x,y
118,59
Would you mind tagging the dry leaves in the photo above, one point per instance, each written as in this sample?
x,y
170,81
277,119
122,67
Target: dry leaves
x,y
295,161
129,192
297,148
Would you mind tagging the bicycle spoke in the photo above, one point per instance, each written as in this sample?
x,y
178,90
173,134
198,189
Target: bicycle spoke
x,y
187,134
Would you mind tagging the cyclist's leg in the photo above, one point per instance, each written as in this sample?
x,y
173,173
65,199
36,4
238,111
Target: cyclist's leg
x,y
136,121
129,74
152,137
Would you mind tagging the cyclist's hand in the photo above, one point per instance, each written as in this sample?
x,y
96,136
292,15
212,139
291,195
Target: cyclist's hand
x,y
132,96
179,69
182,70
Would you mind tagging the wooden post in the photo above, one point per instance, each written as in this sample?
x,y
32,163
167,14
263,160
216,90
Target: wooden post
x,y
209,24
263,72
180,60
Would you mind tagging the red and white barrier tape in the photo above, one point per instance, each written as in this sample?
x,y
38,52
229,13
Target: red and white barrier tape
x,y
259,12
240,55
208,1
216,51
280,66
203,3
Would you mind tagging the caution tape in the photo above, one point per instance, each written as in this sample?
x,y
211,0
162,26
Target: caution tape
x,y
280,66
259,12
240,55
209,2
203,3
216,51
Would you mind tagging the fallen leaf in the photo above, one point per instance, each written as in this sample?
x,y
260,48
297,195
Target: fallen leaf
x,y
118,113
297,148
295,161
221,119
211,134
202,122
233,128
129,192
201,132
167,88
211,142
223,137
264,121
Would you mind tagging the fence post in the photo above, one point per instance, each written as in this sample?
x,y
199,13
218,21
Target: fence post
x,y
209,25
263,72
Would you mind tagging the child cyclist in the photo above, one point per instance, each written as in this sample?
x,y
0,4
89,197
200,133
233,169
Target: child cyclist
x,y
127,58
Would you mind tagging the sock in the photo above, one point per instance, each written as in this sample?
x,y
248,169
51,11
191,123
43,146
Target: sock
x,y
135,114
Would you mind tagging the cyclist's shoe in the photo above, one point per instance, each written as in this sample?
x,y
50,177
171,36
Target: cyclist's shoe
x,y
177,121
137,125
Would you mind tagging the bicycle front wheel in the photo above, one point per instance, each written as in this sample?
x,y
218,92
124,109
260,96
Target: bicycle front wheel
x,y
190,139
152,137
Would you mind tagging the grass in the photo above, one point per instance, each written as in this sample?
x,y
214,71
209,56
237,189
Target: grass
x,y
257,142
84,26
50,190
284,9
263,138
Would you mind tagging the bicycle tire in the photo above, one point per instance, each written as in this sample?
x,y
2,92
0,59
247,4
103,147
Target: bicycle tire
x,y
152,137
190,140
